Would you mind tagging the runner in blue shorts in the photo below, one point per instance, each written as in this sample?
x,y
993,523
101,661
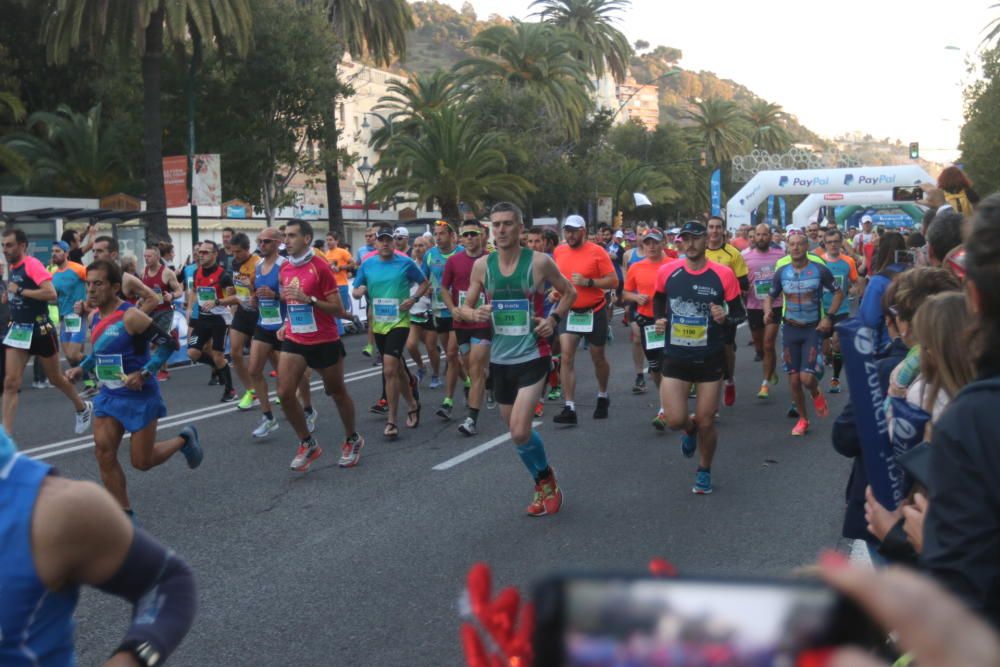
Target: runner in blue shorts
x,y
129,399
70,281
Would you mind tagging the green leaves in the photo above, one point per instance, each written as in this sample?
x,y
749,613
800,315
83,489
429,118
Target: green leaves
x,y
602,46
980,138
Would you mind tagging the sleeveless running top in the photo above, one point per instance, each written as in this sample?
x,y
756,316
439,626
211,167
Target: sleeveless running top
x,y
633,258
118,352
36,624
155,283
514,303
271,312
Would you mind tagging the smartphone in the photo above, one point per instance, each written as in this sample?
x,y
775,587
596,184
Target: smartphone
x,y
607,620
907,193
905,257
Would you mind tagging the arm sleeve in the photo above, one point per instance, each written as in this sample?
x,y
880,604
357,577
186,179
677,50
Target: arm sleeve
x,y
165,346
744,282
737,311
659,306
36,271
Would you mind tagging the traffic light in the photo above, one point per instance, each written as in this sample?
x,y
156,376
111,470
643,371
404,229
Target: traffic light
x,y
914,150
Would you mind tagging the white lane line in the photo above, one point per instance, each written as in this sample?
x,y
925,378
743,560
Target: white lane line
x,y
476,451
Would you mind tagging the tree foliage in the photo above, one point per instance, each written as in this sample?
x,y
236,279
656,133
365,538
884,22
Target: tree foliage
x,y
980,139
592,21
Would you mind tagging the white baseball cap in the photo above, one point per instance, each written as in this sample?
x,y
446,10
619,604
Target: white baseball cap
x,y
401,232
574,222
866,218
619,234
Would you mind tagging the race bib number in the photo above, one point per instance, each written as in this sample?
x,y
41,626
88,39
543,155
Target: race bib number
x,y
461,299
110,370
511,318
301,318
654,341
73,323
762,287
206,295
386,311
270,312
243,294
19,336
580,322
689,331
838,282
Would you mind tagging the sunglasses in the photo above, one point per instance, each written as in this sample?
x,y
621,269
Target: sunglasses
x,y
470,234
206,252
260,241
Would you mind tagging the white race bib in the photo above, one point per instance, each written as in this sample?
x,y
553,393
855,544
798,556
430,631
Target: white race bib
x,y
580,322
654,341
511,317
73,323
301,318
19,336
386,311
270,312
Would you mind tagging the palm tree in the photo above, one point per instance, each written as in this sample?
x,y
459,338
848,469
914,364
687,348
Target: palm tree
x,y
535,56
450,162
717,128
70,154
406,102
593,22
767,125
993,27
10,160
145,26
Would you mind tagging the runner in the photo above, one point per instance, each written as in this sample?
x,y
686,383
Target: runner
x,y
473,337
434,261
244,314
513,279
265,344
162,280
761,259
589,268
70,281
129,399
690,309
612,243
802,282
401,240
386,280
31,332
207,338
59,534
368,248
422,325
640,288
342,264
720,252
133,289
845,276
309,339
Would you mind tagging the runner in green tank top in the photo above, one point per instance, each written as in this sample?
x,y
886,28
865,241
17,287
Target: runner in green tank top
x,y
513,279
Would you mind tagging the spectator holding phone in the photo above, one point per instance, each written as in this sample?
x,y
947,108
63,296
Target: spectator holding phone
x,y
957,190
886,264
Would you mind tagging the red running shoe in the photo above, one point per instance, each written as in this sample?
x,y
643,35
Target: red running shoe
x,y
730,394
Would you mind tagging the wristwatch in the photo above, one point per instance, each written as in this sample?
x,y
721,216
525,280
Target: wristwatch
x,y
145,373
313,300
590,282
144,653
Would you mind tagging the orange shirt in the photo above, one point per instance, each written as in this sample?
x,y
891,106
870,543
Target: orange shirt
x,y
591,261
641,278
341,258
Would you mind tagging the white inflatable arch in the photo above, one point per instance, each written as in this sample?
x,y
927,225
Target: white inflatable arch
x,y
809,181
812,203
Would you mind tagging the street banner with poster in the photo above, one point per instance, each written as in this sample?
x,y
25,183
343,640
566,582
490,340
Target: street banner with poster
x,y
175,172
206,181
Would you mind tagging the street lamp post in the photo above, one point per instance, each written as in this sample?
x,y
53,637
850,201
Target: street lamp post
x,y
366,171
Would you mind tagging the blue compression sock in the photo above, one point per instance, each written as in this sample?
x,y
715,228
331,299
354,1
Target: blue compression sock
x,y
532,454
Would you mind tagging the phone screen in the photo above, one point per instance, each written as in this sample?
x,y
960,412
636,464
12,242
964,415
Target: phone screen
x,y
907,193
638,622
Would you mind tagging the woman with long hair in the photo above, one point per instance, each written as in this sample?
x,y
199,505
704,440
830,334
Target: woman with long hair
x,y
885,266
945,367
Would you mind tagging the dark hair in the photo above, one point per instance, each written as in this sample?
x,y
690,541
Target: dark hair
x,y
335,235
944,233
953,180
228,229
68,236
111,270
240,240
318,244
915,240
830,231
928,219
304,227
885,254
507,207
601,227
18,234
110,240
215,246
982,265
165,247
910,288
715,217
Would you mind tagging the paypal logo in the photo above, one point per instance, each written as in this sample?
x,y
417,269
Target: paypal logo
x,y
881,179
848,179
805,182
783,181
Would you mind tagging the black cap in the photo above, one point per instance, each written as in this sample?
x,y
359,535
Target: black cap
x,y
692,227
384,230
917,462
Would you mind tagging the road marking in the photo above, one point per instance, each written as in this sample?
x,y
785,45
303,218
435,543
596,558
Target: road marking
x,y
476,451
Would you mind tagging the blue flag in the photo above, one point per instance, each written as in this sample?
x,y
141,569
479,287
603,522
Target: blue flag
x,y
770,210
716,192
781,207
908,424
857,345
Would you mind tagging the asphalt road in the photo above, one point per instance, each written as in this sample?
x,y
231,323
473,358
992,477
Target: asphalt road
x,y
365,566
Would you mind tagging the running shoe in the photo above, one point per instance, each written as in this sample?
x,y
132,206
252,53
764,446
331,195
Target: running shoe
x,y
567,416
640,385
822,409
689,442
537,505
38,385
730,394
214,381
228,396
775,377
248,401
552,495
191,450
601,411
702,483
368,350
444,412
468,427
765,391
793,412
555,393
308,452
660,421
350,451
539,409
83,418
758,357
311,420
421,374
801,426
163,375
435,383
834,386
265,428
381,407
491,401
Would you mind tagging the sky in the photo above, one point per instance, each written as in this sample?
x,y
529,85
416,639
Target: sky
x,y
880,67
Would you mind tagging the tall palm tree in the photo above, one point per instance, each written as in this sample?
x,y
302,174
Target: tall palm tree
x,y
717,127
371,28
10,160
71,154
993,27
145,27
593,22
536,56
407,101
767,126
450,162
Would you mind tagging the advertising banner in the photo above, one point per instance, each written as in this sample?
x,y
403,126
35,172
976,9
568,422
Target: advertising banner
x,y
175,172
770,209
206,181
716,192
782,206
